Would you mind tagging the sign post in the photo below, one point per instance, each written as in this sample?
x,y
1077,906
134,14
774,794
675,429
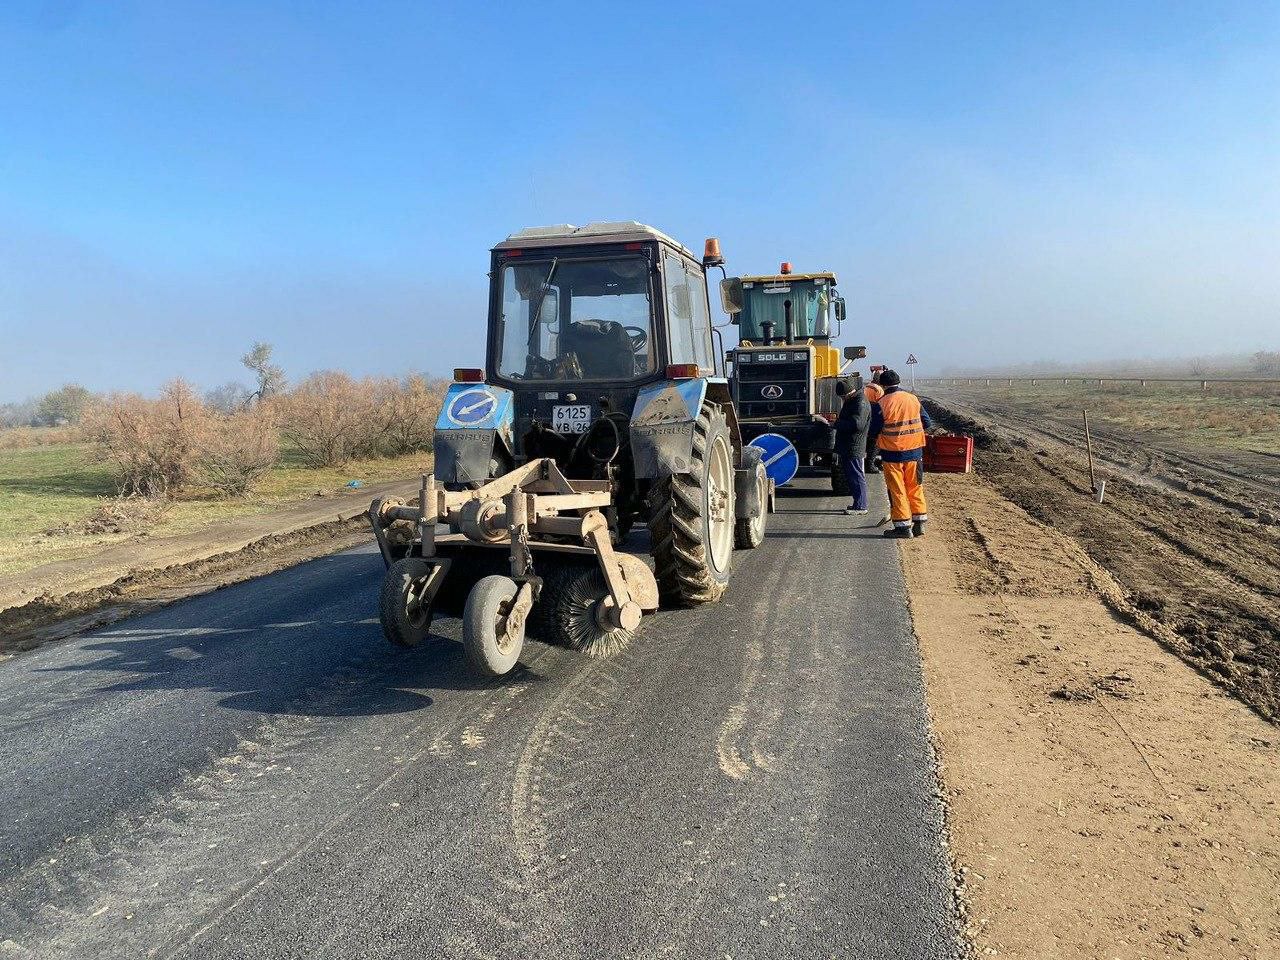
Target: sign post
x,y
911,362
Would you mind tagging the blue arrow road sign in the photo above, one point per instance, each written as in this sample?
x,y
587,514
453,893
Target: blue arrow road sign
x,y
472,406
780,458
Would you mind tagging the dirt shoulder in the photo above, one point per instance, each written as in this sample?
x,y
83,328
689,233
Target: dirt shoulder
x,y
66,596
1105,798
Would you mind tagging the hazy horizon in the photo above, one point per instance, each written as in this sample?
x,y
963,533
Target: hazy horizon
x,y
995,186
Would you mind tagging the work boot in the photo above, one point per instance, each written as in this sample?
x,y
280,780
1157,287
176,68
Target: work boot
x,y
917,528
898,533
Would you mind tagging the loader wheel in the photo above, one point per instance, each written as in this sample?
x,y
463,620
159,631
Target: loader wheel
x,y
749,532
405,621
571,597
691,518
487,638
839,482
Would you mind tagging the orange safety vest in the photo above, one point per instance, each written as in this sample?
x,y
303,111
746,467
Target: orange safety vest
x,y
874,392
902,427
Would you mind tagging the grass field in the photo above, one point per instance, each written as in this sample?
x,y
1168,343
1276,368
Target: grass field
x,y
47,493
1237,416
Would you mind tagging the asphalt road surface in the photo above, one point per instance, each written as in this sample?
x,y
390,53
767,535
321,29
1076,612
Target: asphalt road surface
x,y
256,773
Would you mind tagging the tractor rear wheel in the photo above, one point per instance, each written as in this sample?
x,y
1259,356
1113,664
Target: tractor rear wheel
x,y
691,518
749,532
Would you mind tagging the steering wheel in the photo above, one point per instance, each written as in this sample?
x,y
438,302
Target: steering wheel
x,y
639,338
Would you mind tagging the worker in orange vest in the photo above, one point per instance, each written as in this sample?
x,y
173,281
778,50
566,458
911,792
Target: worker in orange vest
x,y
898,423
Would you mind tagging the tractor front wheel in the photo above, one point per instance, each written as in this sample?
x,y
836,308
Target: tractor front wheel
x,y
692,518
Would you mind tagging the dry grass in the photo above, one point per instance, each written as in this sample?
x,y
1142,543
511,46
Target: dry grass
x,y
23,438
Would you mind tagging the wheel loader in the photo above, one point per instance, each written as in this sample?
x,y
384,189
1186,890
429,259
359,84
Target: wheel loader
x,y
785,368
602,403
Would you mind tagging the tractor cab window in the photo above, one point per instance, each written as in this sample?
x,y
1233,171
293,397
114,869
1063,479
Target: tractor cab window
x,y
688,318
567,320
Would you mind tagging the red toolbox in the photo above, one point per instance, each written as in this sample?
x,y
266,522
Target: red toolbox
x,y
944,453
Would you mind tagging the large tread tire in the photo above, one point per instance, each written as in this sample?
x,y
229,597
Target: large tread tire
x,y
839,482
749,532
679,521
479,627
403,624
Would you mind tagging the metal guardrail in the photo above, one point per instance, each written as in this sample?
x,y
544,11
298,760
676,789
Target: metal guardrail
x,y
1204,382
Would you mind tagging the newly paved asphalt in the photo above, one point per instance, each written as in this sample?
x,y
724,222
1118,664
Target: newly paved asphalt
x,y
255,773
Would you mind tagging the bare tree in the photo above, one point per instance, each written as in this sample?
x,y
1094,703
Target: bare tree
x,y
269,375
1266,363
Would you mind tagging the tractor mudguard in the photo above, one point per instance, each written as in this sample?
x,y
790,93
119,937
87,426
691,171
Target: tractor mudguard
x,y
474,418
746,491
662,427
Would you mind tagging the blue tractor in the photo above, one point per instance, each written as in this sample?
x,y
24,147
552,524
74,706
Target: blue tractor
x,y
602,403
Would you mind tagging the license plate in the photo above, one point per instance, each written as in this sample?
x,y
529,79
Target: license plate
x,y
571,418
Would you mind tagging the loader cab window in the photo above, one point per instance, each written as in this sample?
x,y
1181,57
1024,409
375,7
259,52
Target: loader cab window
x,y
763,302
566,320
688,318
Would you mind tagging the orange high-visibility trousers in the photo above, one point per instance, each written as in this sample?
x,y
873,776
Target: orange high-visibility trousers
x,y
905,483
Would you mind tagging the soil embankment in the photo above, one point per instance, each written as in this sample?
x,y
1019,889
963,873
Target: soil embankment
x,y
1192,547
1105,799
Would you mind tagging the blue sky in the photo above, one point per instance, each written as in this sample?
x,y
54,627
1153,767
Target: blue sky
x,y
992,182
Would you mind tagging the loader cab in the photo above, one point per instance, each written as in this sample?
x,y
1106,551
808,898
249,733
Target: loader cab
x,y
817,310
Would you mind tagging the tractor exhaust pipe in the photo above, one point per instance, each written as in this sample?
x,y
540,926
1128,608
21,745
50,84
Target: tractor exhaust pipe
x,y
790,324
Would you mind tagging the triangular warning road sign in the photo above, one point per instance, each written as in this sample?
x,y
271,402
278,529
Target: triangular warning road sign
x,y
911,358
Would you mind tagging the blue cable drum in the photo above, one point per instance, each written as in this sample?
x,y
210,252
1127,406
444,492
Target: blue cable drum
x,y
780,458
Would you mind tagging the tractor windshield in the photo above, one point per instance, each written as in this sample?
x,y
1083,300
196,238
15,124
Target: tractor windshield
x,y
567,320
764,302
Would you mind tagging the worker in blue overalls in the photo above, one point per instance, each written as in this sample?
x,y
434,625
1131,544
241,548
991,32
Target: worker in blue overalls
x,y
851,441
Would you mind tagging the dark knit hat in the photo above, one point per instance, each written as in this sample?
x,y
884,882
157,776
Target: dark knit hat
x,y
889,378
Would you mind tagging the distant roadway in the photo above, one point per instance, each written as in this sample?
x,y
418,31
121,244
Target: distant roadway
x,y
256,773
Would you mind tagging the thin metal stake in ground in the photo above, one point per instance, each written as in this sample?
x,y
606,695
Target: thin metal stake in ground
x,y
1088,446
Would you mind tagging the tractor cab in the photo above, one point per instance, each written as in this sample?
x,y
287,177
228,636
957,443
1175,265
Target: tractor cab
x,y
580,320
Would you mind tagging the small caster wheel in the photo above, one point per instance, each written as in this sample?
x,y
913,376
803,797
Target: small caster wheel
x,y
406,619
491,638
